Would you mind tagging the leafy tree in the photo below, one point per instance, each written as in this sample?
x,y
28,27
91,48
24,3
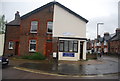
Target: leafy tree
x,y
2,24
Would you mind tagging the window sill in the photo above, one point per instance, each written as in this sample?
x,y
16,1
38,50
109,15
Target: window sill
x,y
49,33
32,51
68,52
10,48
33,32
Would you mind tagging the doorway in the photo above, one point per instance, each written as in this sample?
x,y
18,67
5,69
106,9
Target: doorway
x,y
16,48
81,50
49,49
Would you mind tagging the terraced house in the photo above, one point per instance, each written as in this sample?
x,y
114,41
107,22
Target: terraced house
x,y
50,29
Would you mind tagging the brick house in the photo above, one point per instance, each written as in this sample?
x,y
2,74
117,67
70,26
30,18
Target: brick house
x,y
50,29
114,43
103,44
100,44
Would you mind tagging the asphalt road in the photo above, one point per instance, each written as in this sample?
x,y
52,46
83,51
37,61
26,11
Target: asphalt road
x,y
11,73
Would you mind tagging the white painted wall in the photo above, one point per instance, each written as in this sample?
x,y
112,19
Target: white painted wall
x,y
67,25
84,50
1,44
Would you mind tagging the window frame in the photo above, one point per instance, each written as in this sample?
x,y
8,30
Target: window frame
x,y
35,45
74,43
68,50
61,41
9,45
31,26
48,28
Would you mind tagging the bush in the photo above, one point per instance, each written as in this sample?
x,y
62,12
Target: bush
x,y
35,56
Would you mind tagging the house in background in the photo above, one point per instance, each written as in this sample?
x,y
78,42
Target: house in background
x,y
114,43
100,44
50,29
109,43
103,43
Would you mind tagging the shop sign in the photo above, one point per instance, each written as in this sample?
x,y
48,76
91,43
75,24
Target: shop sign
x,y
68,54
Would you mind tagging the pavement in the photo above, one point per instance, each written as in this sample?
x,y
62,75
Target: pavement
x,y
105,65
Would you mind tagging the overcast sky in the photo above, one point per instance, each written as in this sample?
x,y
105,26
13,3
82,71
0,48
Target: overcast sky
x,y
94,11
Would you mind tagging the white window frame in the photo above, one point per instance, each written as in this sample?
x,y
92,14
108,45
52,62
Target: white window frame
x,y
10,46
30,42
48,27
33,24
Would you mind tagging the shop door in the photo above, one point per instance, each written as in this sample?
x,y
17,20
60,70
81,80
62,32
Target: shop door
x,y
81,50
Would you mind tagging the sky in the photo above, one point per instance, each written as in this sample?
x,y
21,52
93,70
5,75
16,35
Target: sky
x,y
95,11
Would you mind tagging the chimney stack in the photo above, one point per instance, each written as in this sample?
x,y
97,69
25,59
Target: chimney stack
x,y
106,34
17,16
118,31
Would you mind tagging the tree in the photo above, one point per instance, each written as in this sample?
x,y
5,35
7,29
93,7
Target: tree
x,y
2,24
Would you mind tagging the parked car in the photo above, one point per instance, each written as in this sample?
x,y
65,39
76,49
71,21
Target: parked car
x,y
4,61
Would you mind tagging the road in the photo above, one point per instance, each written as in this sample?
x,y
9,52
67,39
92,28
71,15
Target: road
x,y
12,73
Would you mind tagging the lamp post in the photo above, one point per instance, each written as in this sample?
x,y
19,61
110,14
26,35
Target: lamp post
x,y
97,35
98,28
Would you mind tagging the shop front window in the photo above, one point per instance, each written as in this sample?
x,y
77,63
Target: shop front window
x,y
68,46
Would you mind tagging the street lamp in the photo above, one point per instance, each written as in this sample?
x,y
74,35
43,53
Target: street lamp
x,y
98,28
97,35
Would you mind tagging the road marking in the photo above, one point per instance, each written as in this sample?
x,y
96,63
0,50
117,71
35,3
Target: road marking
x,y
53,74
37,71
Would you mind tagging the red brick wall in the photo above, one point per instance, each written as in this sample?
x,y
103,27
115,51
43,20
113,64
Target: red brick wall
x,y
115,46
23,35
12,34
42,17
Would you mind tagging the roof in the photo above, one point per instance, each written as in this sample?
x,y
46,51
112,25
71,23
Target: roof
x,y
50,4
106,38
112,35
115,38
14,23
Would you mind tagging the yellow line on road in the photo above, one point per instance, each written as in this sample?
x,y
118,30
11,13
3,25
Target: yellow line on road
x,y
41,72
36,71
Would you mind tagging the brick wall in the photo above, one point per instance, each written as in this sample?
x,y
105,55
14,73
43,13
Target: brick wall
x,y
115,47
12,34
42,17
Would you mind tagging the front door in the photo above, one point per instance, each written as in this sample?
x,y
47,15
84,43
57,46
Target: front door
x,y
17,48
81,50
49,49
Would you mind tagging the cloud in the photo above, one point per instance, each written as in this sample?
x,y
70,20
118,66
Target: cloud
x,y
110,24
95,11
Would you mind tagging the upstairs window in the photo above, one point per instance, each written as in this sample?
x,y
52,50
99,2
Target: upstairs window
x,y
32,46
10,46
49,27
34,26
